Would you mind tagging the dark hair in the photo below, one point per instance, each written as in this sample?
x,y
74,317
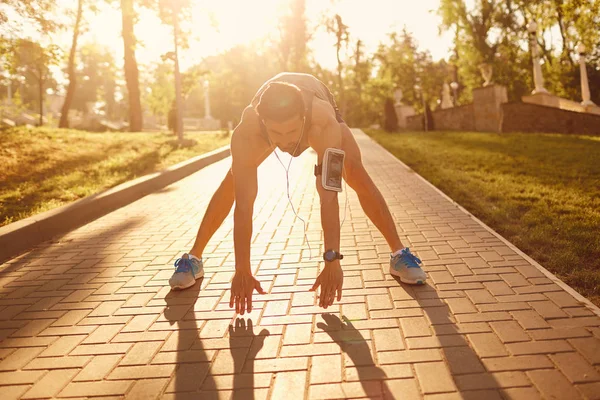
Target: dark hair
x,y
280,102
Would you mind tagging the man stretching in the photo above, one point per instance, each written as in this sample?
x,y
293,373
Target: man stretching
x,y
293,112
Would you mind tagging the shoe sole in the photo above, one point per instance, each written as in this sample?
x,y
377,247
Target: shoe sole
x,y
407,281
182,287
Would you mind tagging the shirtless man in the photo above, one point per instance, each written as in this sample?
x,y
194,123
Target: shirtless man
x,y
293,112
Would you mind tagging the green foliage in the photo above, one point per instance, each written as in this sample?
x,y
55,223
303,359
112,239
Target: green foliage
x,y
403,66
540,191
292,51
36,13
96,76
44,168
29,62
160,94
494,32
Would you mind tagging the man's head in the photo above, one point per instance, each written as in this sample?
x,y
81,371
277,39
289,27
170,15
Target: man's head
x,y
281,108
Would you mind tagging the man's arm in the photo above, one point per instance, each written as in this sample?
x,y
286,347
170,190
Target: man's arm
x,y
246,188
331,278
247,153
329,137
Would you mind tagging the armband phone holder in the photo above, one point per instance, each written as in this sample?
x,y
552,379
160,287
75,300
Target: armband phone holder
x,y
333,167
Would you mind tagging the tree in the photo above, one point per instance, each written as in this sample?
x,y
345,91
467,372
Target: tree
x,y
33,61
171,11
494,31
293,38
64,114
38,13
130,64
96,77
340,30
161,93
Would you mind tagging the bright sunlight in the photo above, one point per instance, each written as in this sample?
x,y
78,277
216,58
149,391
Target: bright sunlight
x,y
219,25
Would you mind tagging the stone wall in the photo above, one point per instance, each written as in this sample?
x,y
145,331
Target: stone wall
x,y
454,119
451,119
415,123
487,107
527,117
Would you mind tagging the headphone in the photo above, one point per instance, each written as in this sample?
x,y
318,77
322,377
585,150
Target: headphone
x,y
288,185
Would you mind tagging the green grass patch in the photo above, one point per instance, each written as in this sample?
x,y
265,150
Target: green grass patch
x,y
539,191
43,168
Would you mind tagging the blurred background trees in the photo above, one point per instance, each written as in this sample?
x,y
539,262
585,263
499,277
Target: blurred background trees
x,y
117,86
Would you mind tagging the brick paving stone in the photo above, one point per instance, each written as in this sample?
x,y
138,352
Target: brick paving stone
x,y
289,382
326,369
510,331
141,353
487,345
52,383
413,327
517,363
541,347
588,347
553,385
575,367
591,391
147,389
93,316
105,388
530,319
463,360
529,393
388,339
491,381
434,378
98,368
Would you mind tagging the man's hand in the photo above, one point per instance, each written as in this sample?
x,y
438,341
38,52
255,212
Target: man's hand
x,y
331,280
242,286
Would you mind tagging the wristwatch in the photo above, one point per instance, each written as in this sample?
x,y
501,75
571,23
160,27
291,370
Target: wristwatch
x,y
331,255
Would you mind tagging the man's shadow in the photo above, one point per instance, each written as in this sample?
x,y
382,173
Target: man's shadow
x,y
243,358
458,355
355,346
192,366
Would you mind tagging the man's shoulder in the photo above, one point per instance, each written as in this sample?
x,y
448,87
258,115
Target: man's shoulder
x,y
322,112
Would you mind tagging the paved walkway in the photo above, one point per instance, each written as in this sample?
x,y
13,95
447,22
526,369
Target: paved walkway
x,y
92,315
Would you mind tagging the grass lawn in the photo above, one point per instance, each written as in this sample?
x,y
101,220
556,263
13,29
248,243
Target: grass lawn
x,y
43,168
539,191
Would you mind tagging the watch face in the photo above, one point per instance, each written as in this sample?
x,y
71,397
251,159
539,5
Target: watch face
x,y
329,255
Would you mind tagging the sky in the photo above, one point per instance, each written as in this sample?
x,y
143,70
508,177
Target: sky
x,y
221,24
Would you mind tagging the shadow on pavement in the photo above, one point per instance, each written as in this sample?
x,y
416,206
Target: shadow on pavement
x,y
371,377
240,335
192,363
59,264
468,376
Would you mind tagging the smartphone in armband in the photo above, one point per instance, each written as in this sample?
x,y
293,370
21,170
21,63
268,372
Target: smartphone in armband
x,y
333,167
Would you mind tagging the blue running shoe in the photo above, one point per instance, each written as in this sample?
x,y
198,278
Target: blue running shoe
x,y
406,266
187,270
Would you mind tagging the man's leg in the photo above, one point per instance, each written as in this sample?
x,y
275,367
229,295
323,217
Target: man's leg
x,y
215,214
403,264
369,195
188,268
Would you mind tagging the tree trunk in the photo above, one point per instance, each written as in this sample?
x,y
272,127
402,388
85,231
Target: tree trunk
x,y
566,50
178,102
299,34
64,113
131,68
41,88
340,66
